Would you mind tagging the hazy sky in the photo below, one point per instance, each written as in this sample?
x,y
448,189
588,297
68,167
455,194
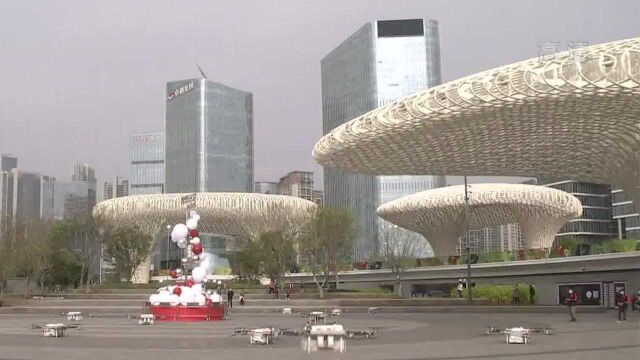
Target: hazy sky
x,y
78,77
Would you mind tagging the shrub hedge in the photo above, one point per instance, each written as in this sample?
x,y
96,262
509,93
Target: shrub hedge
x,y
497,294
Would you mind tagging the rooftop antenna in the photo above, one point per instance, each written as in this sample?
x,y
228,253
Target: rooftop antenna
x,y
201,72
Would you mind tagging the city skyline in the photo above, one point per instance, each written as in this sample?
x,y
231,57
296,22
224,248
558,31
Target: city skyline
x,y
127,88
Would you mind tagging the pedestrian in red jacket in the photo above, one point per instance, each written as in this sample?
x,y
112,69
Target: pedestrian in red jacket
x,y
572,301
622,300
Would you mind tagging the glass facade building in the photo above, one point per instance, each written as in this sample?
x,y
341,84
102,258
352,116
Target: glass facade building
x,y
627,219
596,223
208,148
379,63
146,170
209,138
266,187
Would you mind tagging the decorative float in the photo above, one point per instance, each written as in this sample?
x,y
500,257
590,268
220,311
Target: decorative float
x,y
188,299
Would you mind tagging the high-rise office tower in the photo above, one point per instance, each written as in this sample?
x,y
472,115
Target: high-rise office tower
x,y
86,174
146,171
26,195
47,192
209,138
208,144
379,63
8,162
83,172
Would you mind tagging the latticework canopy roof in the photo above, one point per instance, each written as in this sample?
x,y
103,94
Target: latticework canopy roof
x,y
573,115
245,214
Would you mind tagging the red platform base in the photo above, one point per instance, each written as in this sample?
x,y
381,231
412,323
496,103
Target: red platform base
x,y
178,313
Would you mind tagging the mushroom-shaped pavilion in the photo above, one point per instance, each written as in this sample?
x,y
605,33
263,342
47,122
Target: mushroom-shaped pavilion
x,y
439,214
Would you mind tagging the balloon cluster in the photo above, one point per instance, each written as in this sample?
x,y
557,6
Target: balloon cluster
x,y
191,290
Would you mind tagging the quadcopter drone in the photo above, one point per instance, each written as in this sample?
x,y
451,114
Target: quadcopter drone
x,y
518,335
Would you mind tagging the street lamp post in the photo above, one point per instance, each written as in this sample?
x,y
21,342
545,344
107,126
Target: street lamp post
x,y
168,244
466,218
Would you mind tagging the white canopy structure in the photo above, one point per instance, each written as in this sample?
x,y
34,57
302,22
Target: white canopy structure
x,y
245,214
572,115
439,214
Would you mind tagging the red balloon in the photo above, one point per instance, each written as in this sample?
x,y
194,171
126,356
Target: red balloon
x,y
173,273
177,291
196,248
189,283
194,233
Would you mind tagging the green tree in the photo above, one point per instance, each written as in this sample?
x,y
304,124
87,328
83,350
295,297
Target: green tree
x,y
277,254
247,262
32,247
329,233
129,248
399,251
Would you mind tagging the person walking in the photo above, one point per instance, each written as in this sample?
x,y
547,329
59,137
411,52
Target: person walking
x,y
572,301
532,293
459,288
241,298
635,302
622,301
515,296
230,294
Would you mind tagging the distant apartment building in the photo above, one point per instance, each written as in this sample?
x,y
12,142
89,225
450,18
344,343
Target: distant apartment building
x,y
119,187
502,238
318,197
146,169
298,184
266,187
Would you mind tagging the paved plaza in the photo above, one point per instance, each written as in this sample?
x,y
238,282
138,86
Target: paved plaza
x,y
401,336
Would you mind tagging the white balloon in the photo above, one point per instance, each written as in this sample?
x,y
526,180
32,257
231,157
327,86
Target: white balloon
x,y
180,231
173,237
186,296
182,243
154,299
192,224
197,288
196,217
199,274
206,265
195,240
174,299
215,297
200,299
